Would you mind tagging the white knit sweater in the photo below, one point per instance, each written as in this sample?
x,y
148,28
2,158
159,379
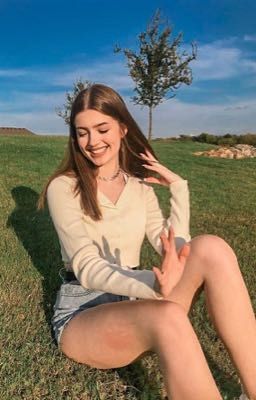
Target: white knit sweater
x,y
103,253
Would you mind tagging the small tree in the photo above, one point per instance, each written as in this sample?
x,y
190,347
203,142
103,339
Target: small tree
x,y
64,111
158,68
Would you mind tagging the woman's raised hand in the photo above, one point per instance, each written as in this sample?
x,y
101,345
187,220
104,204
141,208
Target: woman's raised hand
x,y
172,267
166,176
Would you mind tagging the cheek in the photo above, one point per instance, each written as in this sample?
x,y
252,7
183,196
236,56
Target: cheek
x,y
82,142
116,142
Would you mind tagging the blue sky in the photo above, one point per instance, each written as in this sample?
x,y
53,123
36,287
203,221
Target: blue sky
x,y
47,45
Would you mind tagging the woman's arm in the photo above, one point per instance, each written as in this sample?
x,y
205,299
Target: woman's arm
x,y
90,268
179,206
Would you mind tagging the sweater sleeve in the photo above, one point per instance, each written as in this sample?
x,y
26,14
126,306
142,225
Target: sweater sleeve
x,y
178,218
92,271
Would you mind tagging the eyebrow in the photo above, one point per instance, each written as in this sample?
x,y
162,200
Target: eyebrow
x,y
95,126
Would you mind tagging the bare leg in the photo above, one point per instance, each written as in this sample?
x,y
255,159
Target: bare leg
x,y
212,263
114,335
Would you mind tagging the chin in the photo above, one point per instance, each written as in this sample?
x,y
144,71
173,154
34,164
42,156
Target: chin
x,y
99,162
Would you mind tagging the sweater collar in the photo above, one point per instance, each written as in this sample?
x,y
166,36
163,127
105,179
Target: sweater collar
x,y
106,202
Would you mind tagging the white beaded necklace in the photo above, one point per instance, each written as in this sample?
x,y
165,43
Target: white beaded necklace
x,y
111,178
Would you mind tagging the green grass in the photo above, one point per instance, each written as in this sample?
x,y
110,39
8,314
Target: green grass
x,y
223,198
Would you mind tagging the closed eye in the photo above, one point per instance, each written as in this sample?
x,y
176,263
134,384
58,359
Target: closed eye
x,y
103,131
81,134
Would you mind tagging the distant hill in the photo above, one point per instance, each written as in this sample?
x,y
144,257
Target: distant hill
x,y
15,131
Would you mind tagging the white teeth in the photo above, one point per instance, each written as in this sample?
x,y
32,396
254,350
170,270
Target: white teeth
x,y
97,151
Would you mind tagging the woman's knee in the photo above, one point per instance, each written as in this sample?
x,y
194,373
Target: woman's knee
x,y
170,320
213,252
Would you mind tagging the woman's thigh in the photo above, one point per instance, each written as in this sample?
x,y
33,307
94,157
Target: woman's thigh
x,y
112,335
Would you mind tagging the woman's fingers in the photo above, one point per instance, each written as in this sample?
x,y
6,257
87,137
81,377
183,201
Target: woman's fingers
x,y
158,274
153,167
171,242
152,179
148,153
173,263
184,253
168,241
152,161
171,234
152,164
149,156
165,242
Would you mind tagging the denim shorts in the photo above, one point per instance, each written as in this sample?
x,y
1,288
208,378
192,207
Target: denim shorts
x,y
73,298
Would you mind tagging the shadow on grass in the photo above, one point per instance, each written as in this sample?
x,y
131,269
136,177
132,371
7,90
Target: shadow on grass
x,y
142,383
35,231
224,380
217,356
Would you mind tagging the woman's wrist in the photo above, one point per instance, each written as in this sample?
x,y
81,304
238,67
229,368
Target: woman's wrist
x,y
179,182
179,179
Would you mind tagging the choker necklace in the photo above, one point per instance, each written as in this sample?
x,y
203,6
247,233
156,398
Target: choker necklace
x,y
111,178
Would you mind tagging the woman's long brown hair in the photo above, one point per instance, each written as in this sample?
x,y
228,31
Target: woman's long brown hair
x,y
105,100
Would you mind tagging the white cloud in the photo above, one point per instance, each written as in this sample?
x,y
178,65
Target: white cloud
x,y
12,73
218,60
221,60
175,117
38,122
249,65
171,118
33,101
112,73
250,38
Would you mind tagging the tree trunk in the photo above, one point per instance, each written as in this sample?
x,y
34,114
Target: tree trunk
x,y
150,124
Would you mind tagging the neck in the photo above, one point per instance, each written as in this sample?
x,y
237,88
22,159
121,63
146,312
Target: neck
x,y
108,170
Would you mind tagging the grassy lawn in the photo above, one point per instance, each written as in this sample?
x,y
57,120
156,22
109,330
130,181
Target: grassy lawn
x,y
223,198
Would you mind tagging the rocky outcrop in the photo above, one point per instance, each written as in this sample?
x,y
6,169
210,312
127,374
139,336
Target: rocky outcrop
x,y
237,152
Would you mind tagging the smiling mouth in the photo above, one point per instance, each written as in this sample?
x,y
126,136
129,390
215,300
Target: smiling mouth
x,y
99,151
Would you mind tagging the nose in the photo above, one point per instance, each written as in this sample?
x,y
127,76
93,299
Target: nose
x,y
93,139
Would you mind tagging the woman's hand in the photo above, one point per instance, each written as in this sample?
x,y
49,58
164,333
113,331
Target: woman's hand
x,y
166,176
172,266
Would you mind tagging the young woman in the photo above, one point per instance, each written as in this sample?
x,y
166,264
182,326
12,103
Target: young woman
x,y
109,311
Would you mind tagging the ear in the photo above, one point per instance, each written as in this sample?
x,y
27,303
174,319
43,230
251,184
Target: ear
x,y
124,130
